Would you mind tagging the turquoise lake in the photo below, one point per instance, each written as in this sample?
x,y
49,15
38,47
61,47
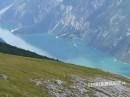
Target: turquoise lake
x,y
76,52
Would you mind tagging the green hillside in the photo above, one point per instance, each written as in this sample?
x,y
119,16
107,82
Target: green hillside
x,y
23,76
26,74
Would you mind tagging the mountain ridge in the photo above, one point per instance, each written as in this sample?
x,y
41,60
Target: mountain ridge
x,y
8,49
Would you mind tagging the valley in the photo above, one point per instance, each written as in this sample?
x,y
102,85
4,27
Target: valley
x,y
64,48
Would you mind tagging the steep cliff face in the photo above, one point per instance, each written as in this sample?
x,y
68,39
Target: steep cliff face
x,y
103,24
26,12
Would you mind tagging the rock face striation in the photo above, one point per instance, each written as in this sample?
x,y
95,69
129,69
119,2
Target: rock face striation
x,y
102,24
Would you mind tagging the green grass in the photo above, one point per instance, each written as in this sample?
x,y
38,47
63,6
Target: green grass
x,y
20,70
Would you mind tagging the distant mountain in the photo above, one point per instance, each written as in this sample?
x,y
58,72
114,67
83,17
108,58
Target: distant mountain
x,y
102,24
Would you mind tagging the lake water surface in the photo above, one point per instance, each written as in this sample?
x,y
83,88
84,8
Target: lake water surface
x,y
77,53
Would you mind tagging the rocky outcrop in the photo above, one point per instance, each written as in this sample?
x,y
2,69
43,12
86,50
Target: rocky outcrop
x,y
3,77
85,87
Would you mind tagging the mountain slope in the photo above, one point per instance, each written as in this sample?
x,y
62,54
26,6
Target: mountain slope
x,y
8,49
23,77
